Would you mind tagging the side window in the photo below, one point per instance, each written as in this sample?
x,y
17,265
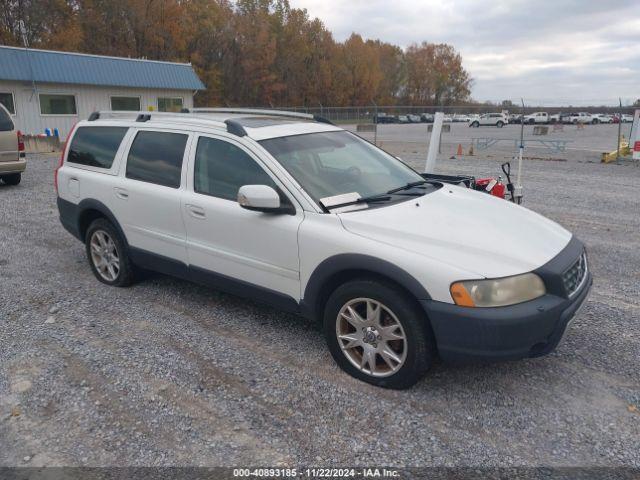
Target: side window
x,y
221,169
6,99
96,146
6,124
156,157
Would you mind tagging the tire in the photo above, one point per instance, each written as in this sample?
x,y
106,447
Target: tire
x,y
500,124
475,124
12,179
410,343
595,121
102,239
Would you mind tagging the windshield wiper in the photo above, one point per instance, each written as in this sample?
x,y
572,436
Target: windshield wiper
x,y
408,186
371,199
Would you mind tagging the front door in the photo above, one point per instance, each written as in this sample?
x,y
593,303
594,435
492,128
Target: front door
x,y
229,242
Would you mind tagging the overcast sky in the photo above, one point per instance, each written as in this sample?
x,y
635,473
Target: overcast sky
x,y
547,51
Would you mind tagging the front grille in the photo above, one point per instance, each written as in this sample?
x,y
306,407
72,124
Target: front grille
x,y
575,275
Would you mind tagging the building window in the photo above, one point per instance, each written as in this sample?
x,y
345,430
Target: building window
x,y
57,104
125,103
6,99
166,104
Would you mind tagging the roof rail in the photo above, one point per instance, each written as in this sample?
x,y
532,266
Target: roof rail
x,y
254,111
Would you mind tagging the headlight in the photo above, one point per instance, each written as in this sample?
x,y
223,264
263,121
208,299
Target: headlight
x,y
497,292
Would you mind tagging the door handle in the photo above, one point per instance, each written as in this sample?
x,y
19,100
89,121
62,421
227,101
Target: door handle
x,y
195,211
121,193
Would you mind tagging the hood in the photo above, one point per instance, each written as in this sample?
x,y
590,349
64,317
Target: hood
x,y
470,230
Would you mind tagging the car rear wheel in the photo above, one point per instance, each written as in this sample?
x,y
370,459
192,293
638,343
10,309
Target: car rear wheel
x,y
376,333
500,124
475,124
107,254
12,179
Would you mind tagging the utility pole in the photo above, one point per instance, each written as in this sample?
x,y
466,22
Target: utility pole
x,y
619,130
517,194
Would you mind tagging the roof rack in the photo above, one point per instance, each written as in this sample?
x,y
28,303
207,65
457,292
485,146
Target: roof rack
x,y
260,111
146,116
233,126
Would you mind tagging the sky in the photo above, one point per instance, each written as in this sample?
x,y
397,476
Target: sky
x,y
548,52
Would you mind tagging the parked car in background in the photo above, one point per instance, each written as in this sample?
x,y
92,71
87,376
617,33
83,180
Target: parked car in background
x,y
626,118
490,120
384,118
414,118
403,119
555,118
427,117
448,118
12,157
313,219
461,117
537,118
575,118
601,118
515,117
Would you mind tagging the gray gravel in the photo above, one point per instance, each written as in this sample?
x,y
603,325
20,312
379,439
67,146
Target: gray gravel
x,y
170,373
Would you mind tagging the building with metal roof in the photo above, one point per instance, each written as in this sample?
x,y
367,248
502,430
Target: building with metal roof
x,y
52,90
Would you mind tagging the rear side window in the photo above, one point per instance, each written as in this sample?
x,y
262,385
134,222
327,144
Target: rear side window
x,y
96,146
221,169
6,124
156,157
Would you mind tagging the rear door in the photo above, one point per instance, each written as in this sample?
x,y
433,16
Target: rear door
x,y
147,198
8,138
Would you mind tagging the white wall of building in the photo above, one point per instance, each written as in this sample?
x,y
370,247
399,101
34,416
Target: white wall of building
x,y
89,98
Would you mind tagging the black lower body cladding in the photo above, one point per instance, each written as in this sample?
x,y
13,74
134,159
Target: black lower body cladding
x,y
529,329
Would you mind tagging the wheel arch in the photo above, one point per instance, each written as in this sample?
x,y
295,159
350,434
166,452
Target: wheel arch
x,y
336,270
90,210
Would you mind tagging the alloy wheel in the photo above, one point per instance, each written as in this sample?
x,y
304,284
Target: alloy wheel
x,y
104,255
371,337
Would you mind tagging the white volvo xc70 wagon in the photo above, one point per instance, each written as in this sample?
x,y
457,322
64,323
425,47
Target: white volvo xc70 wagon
x,y
291,210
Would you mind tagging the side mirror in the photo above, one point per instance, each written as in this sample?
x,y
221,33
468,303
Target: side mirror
x,y
261,198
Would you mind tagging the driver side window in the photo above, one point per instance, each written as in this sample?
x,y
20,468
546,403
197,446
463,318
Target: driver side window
x,y
221,168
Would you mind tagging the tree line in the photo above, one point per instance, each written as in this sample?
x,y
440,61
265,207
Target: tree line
x,y
247,52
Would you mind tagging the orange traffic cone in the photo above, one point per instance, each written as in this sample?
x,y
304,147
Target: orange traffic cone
x,y
459,153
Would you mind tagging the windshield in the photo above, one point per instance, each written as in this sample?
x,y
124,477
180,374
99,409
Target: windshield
x,y
333,163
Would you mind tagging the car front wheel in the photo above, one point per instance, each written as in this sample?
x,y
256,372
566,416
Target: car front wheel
x,y
500,124
376,333
475,124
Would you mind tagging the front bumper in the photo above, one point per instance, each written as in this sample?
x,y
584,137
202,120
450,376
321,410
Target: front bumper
x,y
529,329
13,167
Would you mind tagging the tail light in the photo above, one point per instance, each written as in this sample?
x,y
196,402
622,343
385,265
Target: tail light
x,y
636,147
64,153
21,144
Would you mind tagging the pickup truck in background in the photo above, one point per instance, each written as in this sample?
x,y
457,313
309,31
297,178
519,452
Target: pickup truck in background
x,y
536,118
575,118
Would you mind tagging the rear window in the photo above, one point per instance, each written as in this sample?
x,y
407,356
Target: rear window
x,y
6,124
96,146
156,157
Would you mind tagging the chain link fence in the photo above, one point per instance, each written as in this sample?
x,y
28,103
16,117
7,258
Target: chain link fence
x,y
405,130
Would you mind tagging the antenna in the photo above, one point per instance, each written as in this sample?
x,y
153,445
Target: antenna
x,y
23,34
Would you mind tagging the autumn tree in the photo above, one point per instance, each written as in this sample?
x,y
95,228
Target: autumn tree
x,y
435,75
247,52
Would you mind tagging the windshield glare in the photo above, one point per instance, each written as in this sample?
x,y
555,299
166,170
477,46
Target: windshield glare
x,y
333,163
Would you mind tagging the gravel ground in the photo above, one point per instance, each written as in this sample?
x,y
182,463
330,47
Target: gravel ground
x,y
170,373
